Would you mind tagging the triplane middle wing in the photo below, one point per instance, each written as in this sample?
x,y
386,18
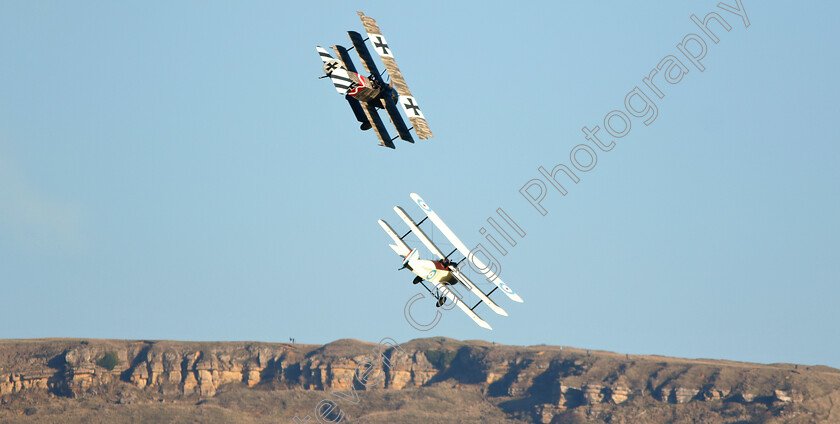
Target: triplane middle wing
x,y
443,272
366,95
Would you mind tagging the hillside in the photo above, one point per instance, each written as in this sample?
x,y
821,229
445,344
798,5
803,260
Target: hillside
x,y
434,380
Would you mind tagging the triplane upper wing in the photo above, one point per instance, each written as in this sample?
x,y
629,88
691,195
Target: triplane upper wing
x,y
463,248
407,101
368,94
444,272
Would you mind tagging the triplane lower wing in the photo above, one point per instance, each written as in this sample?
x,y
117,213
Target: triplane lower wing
x,y
443,272
366,95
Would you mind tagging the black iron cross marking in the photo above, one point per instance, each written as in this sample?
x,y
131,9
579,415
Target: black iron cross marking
x,y
331,66
409,104
379,43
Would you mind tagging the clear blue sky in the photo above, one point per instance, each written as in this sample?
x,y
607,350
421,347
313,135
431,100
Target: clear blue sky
x,y
177,171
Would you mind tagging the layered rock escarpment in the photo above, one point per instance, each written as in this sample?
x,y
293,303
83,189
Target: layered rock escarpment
x,y
541,384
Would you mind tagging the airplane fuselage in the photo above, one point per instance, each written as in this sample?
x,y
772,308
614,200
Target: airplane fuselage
x,y
433,271
365,89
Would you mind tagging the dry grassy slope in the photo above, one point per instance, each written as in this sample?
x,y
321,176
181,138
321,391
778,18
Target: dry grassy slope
x,y
434,380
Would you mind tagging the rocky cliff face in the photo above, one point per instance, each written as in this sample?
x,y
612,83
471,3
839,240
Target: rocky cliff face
x,y
540,384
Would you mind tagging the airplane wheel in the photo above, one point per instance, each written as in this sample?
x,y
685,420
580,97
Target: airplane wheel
x,y
441,301
417,280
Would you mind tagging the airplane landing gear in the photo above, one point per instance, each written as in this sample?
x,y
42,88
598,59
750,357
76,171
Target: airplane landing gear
x,y
441,301
416,280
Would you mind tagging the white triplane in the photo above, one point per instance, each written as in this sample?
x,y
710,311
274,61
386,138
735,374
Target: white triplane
x,y
444,272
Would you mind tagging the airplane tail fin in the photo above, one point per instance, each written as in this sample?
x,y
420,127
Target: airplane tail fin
x,y
410,257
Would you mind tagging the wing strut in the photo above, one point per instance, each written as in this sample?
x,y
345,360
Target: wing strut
x,y
455,271
449,234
